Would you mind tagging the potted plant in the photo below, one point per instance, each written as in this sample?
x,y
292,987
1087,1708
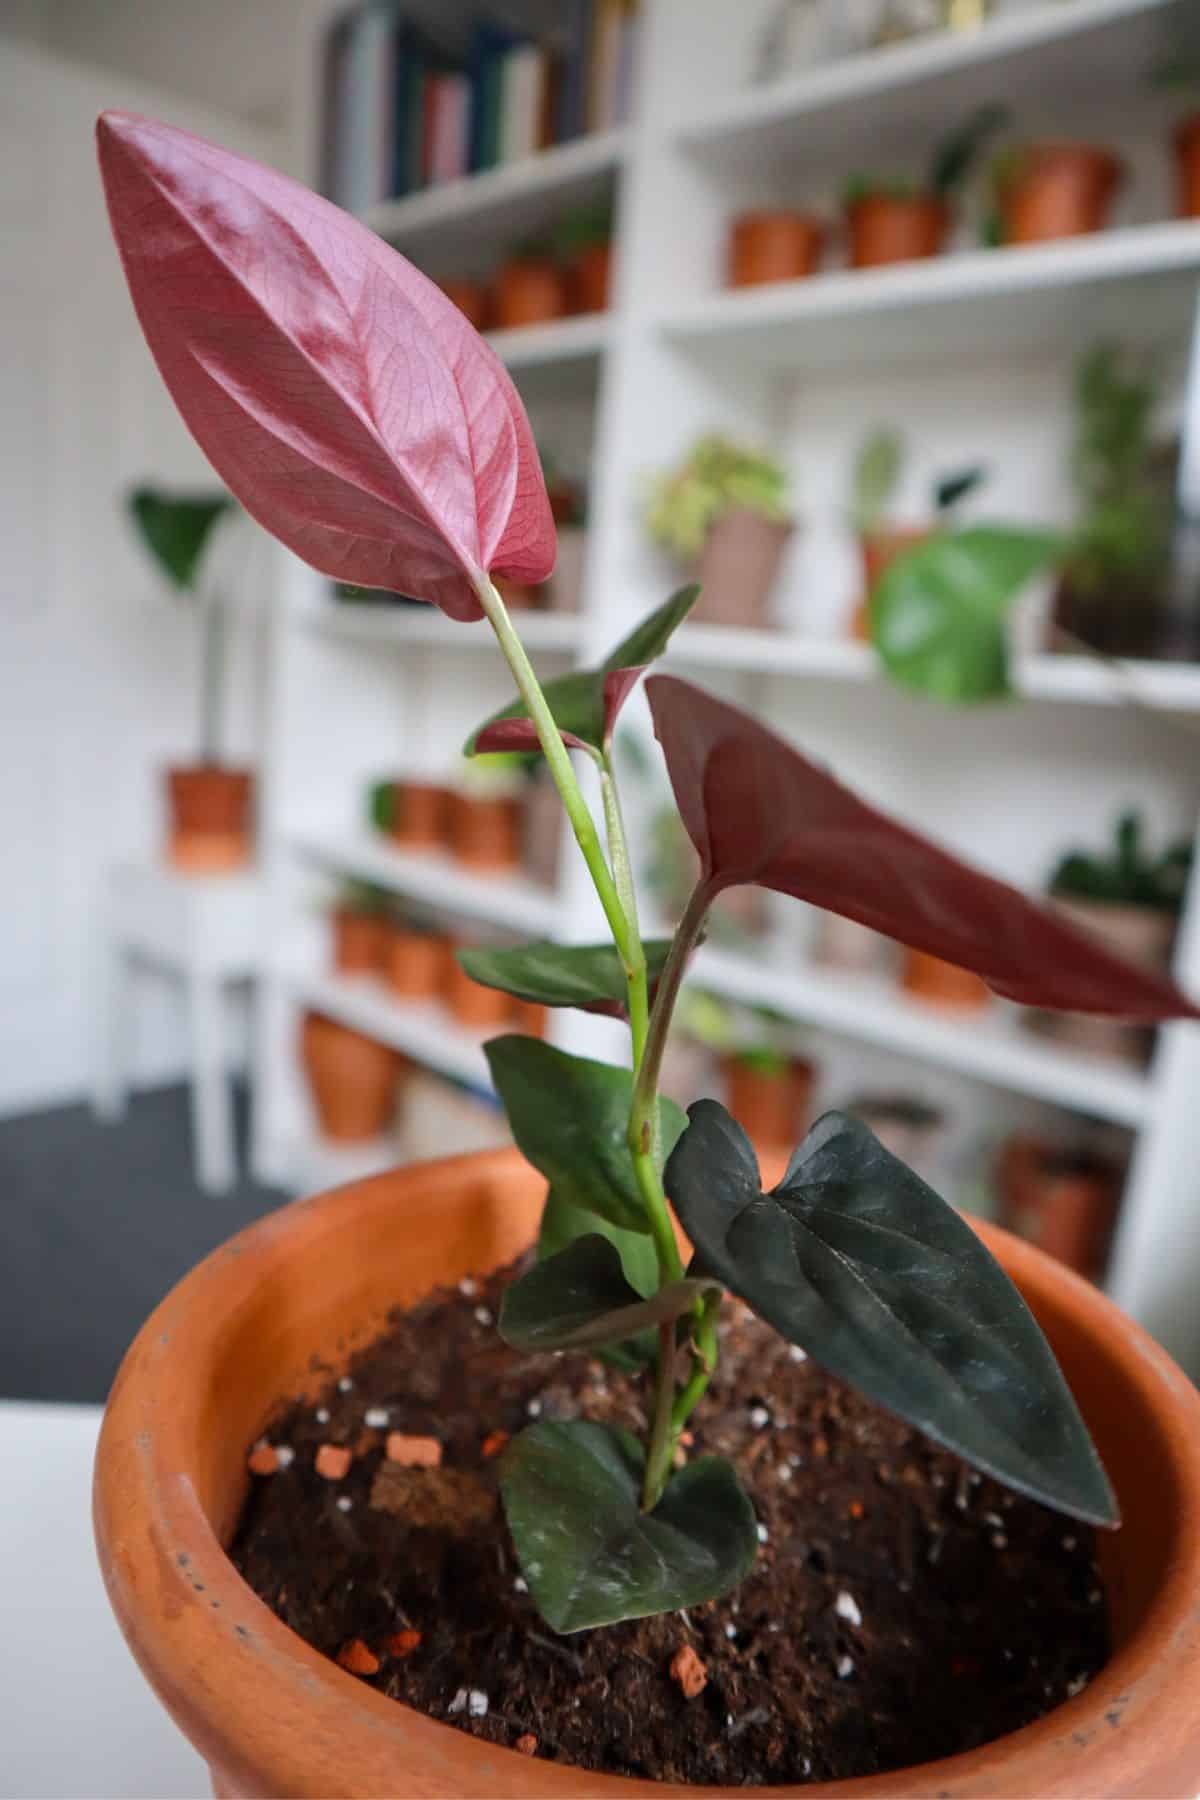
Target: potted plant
x,y
623,1501
876,476
583,241
1051,190
416,955
1112,592
890,220
476,1005
773,244
1131,899
351,1078
361,922
471,298
530,288
1064,1200
416,815
723,513
209,804
486,819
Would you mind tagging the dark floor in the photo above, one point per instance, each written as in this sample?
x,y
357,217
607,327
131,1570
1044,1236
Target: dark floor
x,y
96,1223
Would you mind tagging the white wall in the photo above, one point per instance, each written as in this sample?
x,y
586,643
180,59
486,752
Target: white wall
x,y
97,661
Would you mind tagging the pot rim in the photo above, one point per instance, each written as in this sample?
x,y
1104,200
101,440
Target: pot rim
x,y
160,1554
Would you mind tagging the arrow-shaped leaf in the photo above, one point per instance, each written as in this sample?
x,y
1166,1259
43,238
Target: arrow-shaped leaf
x,y
177,527
589,976
853,1257
572,1494
569,1116
580,1299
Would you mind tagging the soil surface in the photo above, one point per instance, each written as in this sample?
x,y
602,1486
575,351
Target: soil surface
x,y
902,1607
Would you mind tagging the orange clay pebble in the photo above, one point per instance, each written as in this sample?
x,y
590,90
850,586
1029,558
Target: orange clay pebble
x,y
263,1460
494,1442
402,1643
413,1452
355,1656
856,1509
526,1743
689,1672
333,1461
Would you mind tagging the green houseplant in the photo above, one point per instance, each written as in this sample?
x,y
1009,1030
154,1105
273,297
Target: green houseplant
x,y
892,220
209,804
723,512
875,477
851,1258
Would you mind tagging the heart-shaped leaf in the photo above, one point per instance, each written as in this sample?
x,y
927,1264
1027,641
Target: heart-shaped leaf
x,y
588,976
177,527
853,1257
572,1494
757,811
562,1223
339,394
569,1116
580,1299
587,703
939,616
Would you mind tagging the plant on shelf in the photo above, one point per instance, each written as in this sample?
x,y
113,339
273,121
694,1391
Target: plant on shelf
x,y
876,477
583,244
209,804
893,219
723,513
361,919
1041,192
851,1256
1126,875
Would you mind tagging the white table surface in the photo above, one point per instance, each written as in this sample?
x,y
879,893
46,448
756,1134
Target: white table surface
x,y
77,1721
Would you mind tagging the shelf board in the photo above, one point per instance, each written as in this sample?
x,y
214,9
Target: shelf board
x,y
581,340
434,879
1080,680
1037,52
401,627
427,1034
985,303
991,1047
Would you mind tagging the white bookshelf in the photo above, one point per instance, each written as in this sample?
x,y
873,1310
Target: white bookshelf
x,y
973,352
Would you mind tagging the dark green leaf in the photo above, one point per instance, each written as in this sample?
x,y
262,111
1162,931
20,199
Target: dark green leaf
x,y
569,1116
576,702
562,1223
580,1299
572,1493
939,612
176,528
589,976
647,641
856,1259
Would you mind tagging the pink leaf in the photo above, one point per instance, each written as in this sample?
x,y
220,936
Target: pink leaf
x,y
759,812
339,394
516,734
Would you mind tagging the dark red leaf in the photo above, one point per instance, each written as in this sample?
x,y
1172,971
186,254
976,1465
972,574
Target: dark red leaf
x,y
759,812
516,734
342,397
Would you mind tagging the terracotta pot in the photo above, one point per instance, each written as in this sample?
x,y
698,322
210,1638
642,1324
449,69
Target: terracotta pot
x,y
528,293
590,277
879,550
940,983
486,832
771,1105
421,815
1141,934
352,1079
360,941
477,1007
415,963
1066,1203
565,586
529,1017
895,228
209,809
1060,190
1187,158
737,569
774,246
302,1289
471,299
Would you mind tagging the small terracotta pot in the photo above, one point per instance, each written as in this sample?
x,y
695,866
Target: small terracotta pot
x,y
738,567
292,1297
473,1005
771,1105
486,832
209,809
529,1017
471,299
1187,161
774,246
879,550
590,278
421,815
1064,1203
896,228
415,963
528,293
352,1079
565,586
360,941
1059,191
940,983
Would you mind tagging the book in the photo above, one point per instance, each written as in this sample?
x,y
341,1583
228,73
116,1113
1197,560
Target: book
x,y
490,44
607,21
571,121
451,122
522,75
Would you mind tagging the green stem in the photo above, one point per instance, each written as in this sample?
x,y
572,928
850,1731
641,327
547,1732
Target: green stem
x,y
704,1362
661,1447
622,868
687,936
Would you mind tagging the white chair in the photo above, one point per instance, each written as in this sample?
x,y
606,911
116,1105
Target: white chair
x,y
204,929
